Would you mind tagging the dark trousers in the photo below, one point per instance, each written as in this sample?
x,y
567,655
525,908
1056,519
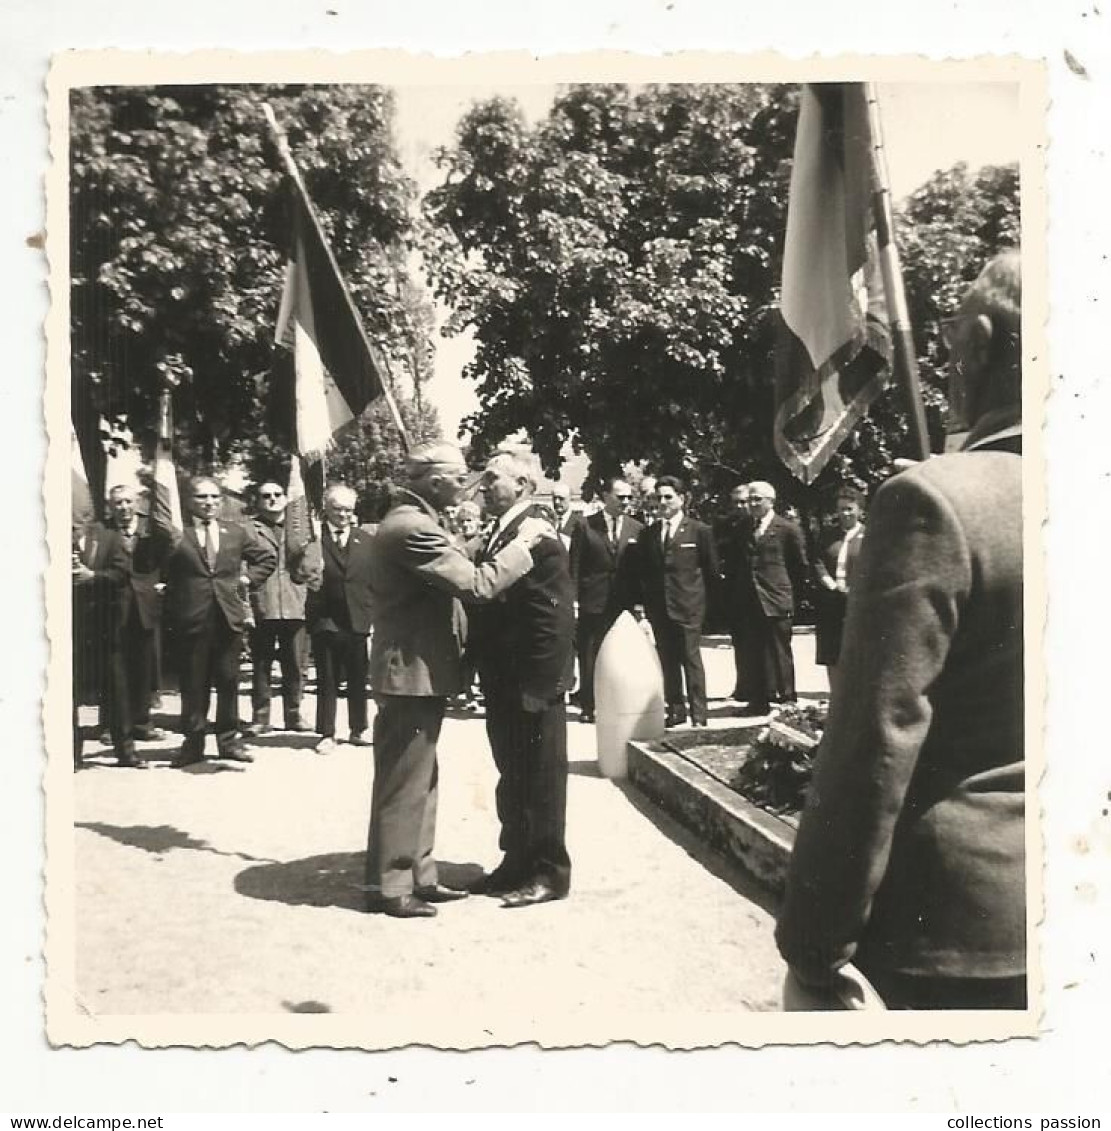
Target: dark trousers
x,y
530,752
206,660
590,632
403,800
138,660
907,991
679,648
110,674
287,638
765,666
340,654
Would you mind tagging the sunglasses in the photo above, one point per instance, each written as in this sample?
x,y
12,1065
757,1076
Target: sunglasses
x,y
271,494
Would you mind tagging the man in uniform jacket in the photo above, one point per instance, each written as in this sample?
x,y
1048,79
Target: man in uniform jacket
x,y
279,612
147,548
909,859
340,614
99,575
206,573
419,574
602,566
676,569
768,574
521,644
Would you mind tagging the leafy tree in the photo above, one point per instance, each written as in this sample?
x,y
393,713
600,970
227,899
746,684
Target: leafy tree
x,y
177,236
619,263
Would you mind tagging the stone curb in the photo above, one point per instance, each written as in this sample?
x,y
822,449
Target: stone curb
x,y
736,829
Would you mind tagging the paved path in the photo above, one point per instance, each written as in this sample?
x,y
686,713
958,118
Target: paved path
x,y
235,890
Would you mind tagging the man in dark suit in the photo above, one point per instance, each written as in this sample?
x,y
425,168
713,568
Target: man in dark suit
x,y
676,569
340,614
910,855
767,574
207,573
99,574
147,548
419,574
602,567
522,646
566,519
279,612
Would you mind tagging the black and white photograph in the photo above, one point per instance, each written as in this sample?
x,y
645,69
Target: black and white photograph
x,y
548,552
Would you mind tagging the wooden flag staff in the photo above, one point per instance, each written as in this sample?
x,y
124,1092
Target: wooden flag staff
x,y
282,144
906,362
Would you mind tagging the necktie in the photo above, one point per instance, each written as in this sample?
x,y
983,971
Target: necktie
x,y
666,534
209,545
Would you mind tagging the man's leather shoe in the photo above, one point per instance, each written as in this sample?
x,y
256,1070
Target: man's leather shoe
x,y
586,717
298,726
751,710
130,762
699,723
497,882
326,745
187,756
253,730
440,894
400,906
357,738
149,733
536,891
235,753
675,720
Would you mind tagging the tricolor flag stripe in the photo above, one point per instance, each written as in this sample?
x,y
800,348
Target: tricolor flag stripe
x,y
835,351
336,374
83,511
165,503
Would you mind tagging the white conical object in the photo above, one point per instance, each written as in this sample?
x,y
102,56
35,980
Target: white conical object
x,y
628,694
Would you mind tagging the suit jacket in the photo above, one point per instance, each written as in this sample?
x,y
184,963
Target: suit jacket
x,y
150,547
192,587
522,641
344,600
910,853
567,526
282,595
603,573
419,573
674,584
829,553
97,608
769,571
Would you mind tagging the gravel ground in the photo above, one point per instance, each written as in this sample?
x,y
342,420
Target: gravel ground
x,y
235,890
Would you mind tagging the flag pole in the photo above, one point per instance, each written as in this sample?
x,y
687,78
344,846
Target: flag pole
x,y
906,363
282,144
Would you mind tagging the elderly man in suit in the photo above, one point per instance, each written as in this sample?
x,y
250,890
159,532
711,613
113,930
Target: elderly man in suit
x,y
677,569
99,575
147,548
340,614
602,568
909,860
522,646
419,574
763,584
279,611
206,572
566,519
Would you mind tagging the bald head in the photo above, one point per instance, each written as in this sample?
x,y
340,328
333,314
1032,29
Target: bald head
x,y
985,343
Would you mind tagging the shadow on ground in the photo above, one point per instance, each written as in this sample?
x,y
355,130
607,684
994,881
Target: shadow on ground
x,y
733,875
335,879
160,839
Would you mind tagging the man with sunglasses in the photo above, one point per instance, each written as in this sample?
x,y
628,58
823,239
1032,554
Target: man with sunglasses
x,y
279,610
418,576
601,567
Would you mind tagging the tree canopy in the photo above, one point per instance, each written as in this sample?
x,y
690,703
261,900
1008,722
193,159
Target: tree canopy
x,y
619,263
177,246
